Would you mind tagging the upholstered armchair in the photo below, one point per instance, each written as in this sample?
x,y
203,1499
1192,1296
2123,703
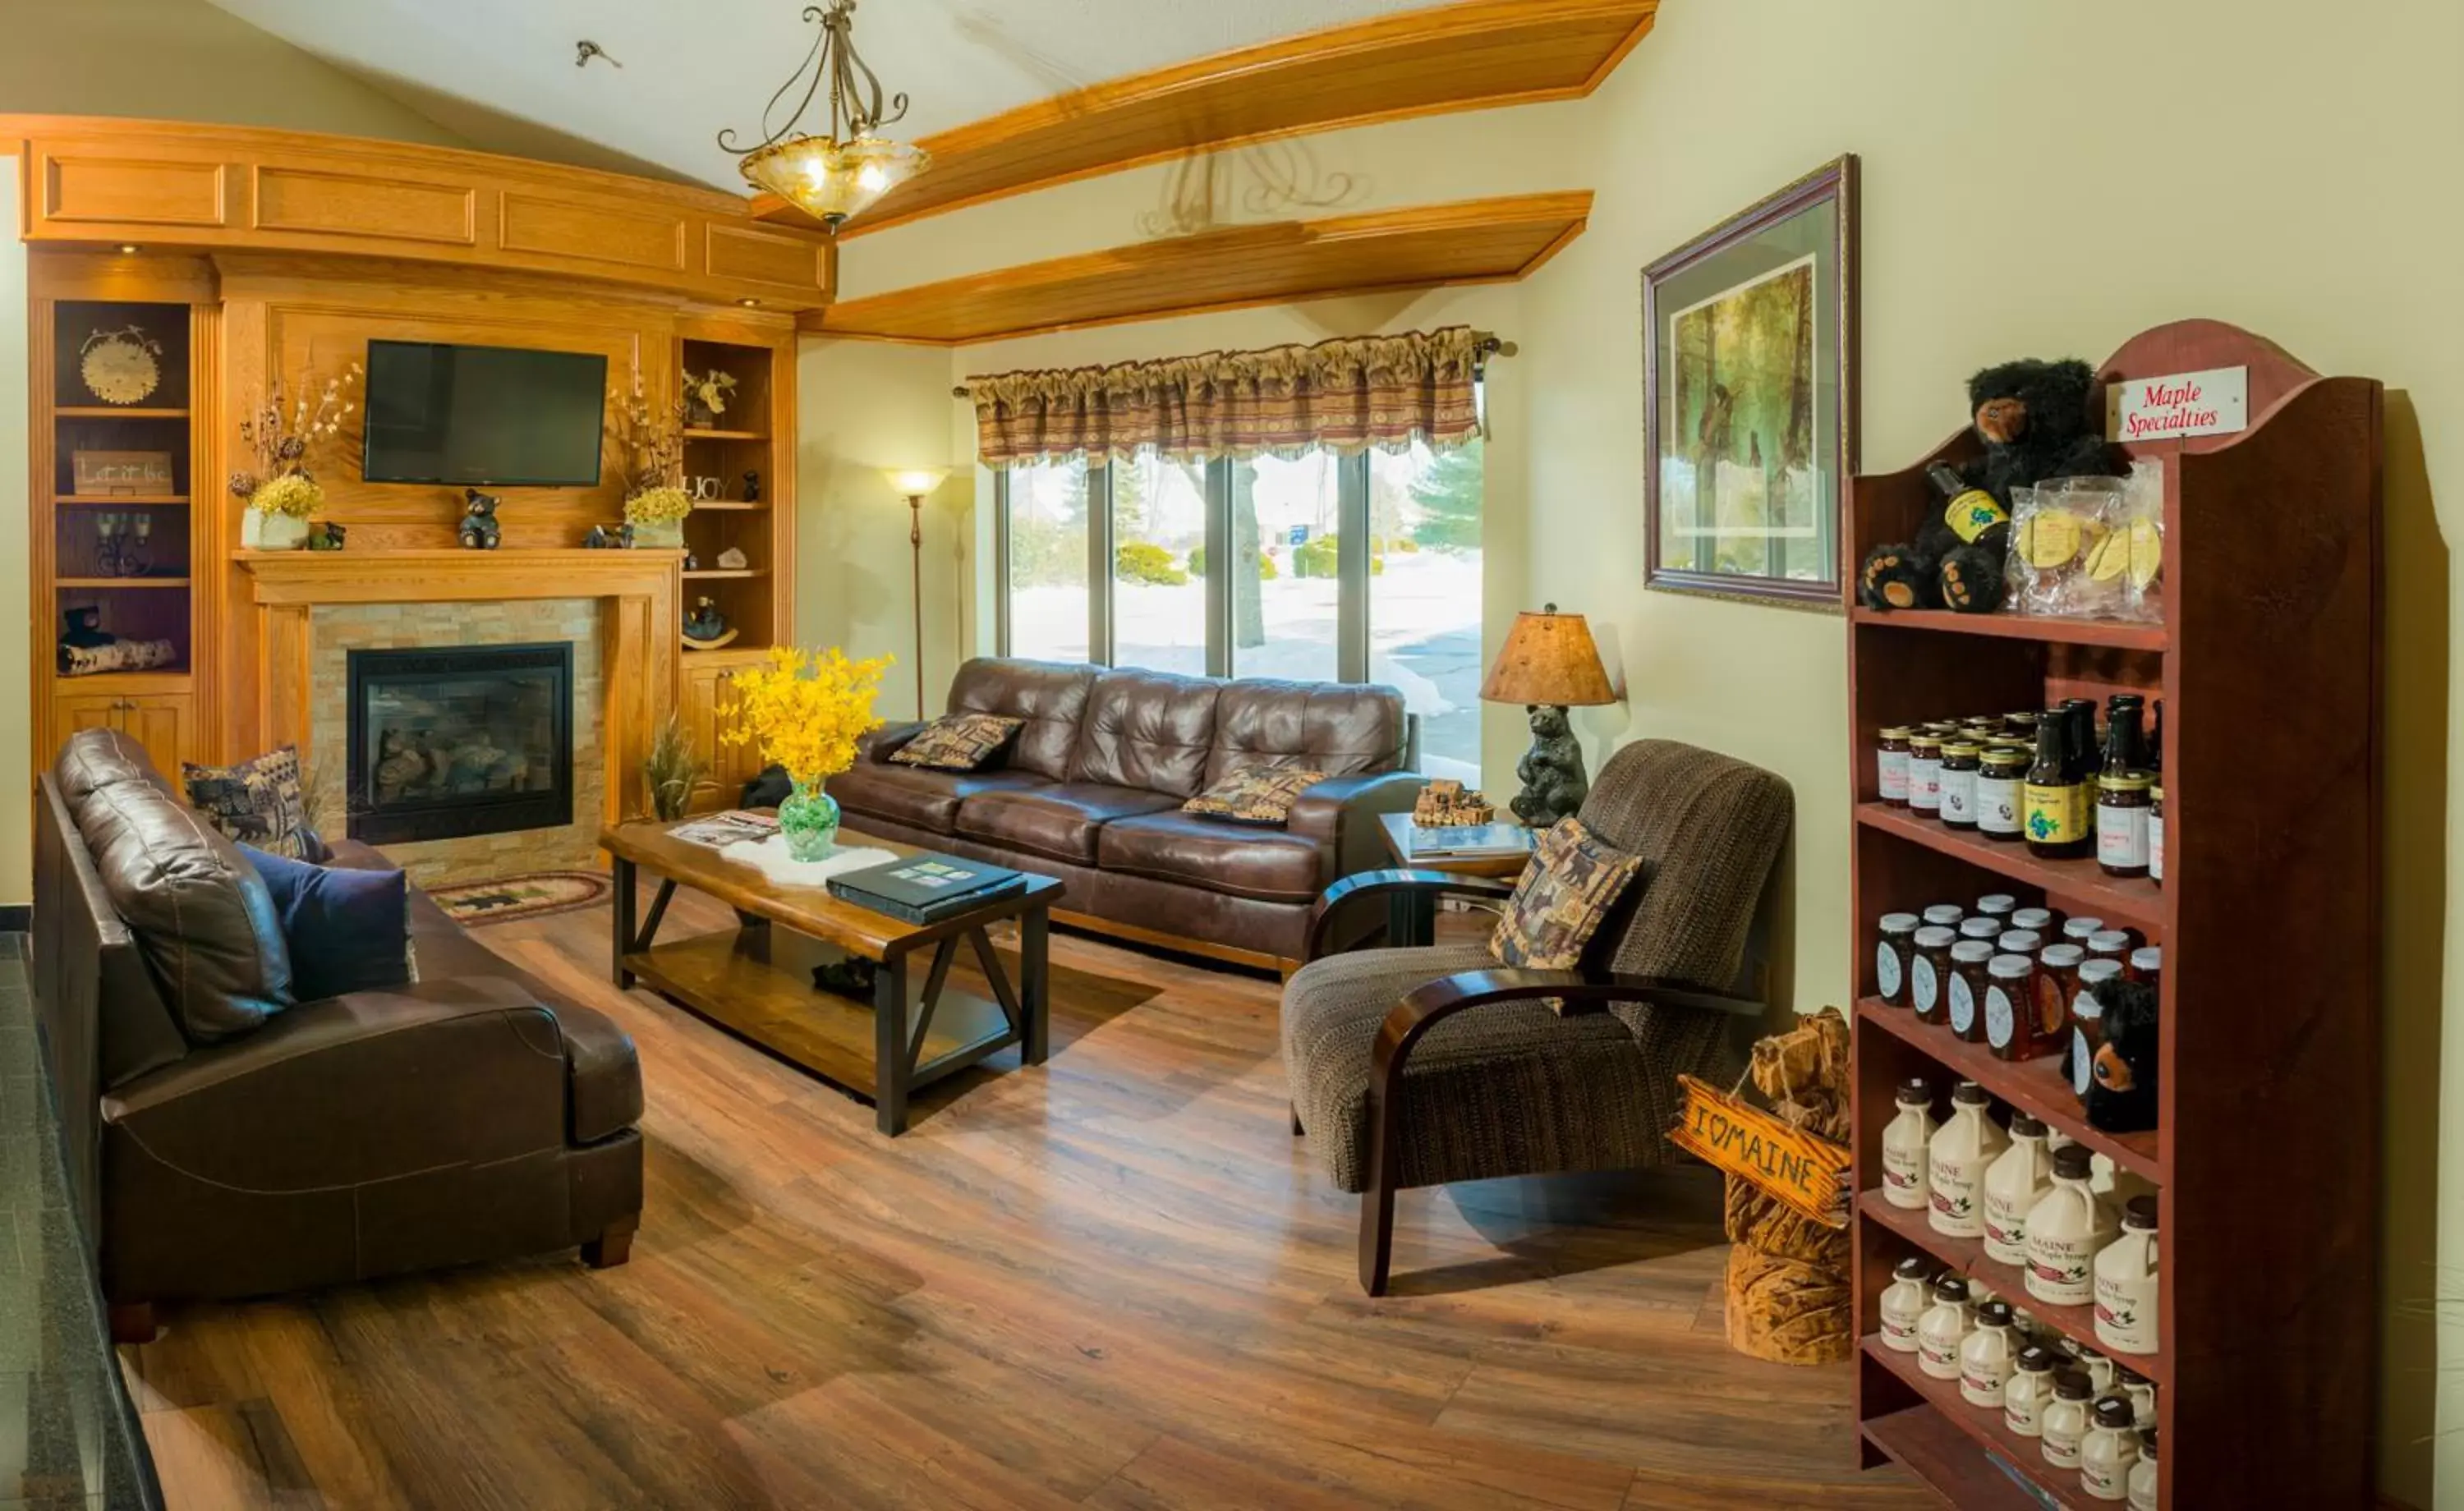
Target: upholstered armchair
x,y
1420,1065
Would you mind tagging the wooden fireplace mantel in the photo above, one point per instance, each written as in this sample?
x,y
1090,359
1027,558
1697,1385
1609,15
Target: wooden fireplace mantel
x,y
640,648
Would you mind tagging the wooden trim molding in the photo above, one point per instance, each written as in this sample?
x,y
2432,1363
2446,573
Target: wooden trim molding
x,y
1470,55
1473,241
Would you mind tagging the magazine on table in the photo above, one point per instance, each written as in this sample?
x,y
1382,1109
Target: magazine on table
x,y
1470,842
719,830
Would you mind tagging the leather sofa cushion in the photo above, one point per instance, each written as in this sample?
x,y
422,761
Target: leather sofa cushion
x,y
1147,730
1050,696
1340,730
1061,820
915,795
1243,859
94,760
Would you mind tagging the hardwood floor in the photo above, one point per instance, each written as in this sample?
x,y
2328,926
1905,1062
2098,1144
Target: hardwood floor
x,y
1114,1282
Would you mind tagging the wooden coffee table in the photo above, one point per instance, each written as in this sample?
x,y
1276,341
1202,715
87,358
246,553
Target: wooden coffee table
x,y
758,982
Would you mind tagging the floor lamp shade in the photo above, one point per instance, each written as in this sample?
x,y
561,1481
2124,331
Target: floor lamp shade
x,y
1550,659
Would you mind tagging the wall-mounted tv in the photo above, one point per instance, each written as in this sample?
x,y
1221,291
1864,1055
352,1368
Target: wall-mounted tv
x,y
483,415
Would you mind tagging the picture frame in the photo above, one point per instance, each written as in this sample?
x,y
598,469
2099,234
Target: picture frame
x,y
1749,399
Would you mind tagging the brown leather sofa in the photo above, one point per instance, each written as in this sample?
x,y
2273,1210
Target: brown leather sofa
x,y
1090,789
469,1115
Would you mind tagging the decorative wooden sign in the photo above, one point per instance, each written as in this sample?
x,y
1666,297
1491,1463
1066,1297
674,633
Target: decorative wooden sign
x,y
2211,402
1776,1156
107,473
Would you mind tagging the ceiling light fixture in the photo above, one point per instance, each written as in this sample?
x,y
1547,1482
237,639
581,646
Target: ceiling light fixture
x,y
750,303
835,177
130,248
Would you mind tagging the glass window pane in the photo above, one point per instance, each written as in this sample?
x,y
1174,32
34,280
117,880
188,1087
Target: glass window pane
x,y
1047,561
1283,585
1158,602
1424,526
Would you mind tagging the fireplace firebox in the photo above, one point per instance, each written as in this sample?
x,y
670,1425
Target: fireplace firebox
x,y
451,742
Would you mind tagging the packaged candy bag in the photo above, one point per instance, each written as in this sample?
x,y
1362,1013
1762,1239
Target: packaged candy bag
x,y
2141,531
2064,546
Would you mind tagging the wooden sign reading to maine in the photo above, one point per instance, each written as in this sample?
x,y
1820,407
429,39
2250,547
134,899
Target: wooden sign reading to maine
x,y
1776,1156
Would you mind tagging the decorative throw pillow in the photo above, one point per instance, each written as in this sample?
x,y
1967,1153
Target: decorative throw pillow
x,y
1570,884
260,802
1255,794
958,741
348,930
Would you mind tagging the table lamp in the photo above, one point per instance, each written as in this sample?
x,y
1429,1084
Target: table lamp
x,y
915,484
1549,666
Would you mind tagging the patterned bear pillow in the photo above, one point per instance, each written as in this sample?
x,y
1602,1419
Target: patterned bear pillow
x,y
958,741
1570,883
1255,794
261,803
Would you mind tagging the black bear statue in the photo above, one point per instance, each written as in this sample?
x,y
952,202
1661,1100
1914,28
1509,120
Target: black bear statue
x,y
1551,771
479,530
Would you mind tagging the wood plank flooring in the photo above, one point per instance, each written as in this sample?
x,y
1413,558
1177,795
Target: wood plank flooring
x,y
1112,1282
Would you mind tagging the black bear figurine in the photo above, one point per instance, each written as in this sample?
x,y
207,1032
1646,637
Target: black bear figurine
x,y
479,530
1554,783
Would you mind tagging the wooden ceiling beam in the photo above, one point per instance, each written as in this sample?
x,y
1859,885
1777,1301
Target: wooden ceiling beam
x,y
1471,55
1472,241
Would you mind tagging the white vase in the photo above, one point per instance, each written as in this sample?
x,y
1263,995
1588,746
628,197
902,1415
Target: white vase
x,y
263,532
667,535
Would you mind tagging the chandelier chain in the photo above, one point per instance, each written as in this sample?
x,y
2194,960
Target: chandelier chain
x,y
855,94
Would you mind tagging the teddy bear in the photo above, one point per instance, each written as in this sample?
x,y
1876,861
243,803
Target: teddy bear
x,y
479,530
2122,1084
2037,422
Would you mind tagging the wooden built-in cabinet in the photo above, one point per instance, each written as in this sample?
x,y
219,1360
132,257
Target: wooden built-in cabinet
x,y
159,721
709,692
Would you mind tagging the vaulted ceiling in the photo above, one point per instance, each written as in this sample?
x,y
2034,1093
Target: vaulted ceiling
x,y
502,74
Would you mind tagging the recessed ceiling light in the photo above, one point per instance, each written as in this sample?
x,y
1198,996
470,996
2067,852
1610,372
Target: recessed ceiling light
x,y
131,248
750,304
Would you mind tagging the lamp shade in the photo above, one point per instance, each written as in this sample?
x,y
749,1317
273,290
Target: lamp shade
x,y
1549,658
914,482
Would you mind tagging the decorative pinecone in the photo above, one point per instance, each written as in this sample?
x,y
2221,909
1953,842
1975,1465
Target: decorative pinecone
x,y
243,485
292,449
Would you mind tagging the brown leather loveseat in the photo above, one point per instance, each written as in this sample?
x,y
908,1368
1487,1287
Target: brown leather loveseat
x,y
1090,788
467,1115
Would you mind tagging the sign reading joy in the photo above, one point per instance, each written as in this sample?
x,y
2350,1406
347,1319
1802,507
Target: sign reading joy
x,y
2213,402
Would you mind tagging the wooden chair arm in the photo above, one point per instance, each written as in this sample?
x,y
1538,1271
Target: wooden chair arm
x,y
1362,884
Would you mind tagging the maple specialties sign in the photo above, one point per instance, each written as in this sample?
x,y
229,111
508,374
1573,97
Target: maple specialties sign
x,y
1768,1152
2180,404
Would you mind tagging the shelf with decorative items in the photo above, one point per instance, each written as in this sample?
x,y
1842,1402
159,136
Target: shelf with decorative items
x,y
2226,1001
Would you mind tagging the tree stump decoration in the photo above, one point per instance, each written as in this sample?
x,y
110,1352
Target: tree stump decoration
x,y
1789,1299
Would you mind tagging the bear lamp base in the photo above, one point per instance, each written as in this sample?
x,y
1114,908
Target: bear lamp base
x,y
1554,783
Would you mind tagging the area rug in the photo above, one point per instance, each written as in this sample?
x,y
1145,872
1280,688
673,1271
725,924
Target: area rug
x,y
533,894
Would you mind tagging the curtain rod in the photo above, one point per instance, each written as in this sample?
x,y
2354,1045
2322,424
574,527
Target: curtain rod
x,y
1486,347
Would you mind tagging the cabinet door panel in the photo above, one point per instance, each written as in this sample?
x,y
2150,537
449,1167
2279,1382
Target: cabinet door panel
x,y
159,721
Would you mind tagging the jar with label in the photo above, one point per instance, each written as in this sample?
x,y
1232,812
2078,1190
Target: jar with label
x,y
2142,1474
2055,814
1976,927
1958,780
2087,1023
1928,967
2018,941
1891,957
2001,791
2125,1282
1905,1147
1987,1356
2010,996
2037,920
2146,964
1905,1301
2067,1228
1996,904
2109,1450
1956,1160
1924,774
1968,980
2079,930
2063,1423
1944,916
1891,766
1944,1328
2017,1179
2121,807
2029,1391
2022,723
2111,944
2058,968
2156,834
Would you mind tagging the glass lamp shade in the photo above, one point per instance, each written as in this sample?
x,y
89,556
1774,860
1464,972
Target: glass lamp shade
x,y
834,181
1549,658
914,482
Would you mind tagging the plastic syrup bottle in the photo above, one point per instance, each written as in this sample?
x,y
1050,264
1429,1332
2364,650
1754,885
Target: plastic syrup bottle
x,y
1904,1301
2125,1283
1987,1356
2064,1422
1943,1328
2014,1184
2066,1229
1905,1147
2109,1450
2142,1474
2029,1391
1956,1159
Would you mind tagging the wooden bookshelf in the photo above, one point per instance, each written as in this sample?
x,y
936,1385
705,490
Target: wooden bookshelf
x,y
2269,1043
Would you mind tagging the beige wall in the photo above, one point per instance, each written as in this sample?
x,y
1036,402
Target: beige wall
x,y
16,670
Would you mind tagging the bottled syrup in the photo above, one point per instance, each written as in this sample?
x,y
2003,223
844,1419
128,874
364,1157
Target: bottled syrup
x,y
2055,794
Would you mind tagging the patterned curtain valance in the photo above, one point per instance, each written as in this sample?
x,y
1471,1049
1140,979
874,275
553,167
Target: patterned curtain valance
x,y
1350,395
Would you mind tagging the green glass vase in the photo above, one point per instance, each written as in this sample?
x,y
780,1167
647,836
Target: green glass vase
x,y
809,821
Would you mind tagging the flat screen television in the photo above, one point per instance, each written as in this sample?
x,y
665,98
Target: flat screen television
x,y
483,415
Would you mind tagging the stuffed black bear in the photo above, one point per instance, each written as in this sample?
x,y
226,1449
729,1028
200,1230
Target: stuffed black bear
x,y
479,530
2122,1084
2036,421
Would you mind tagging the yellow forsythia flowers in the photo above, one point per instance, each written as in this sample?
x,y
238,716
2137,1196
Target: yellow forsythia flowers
x,y
806,710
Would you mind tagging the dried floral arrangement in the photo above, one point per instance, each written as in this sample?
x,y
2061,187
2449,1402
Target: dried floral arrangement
x,y
649,443
282,436
711,389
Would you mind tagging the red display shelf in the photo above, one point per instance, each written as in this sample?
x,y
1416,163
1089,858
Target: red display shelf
x,y
2034,1086
2134,902
1945,1435
2112,633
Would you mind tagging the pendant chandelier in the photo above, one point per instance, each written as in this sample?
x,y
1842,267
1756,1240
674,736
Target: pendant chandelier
x,y
835,177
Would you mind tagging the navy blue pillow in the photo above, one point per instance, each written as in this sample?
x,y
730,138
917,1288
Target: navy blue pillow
x,y
349,930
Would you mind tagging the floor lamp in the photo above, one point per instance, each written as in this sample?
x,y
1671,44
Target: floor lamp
x,y
915,485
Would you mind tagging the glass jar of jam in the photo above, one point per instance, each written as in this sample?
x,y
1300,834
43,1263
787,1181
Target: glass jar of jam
x,y
2022,723
1929,973
2018,941
1891,766
1891,957
1970,978
2010,1007
1924,774
2123,802
1944,916
2087,1023
2146,965
2111,944
1996,904
2079,930
1958,782
2043,920
2058,969
1984,928
2001,791
2156,834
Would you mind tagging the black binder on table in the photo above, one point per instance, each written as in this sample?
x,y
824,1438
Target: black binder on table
x,y
926,889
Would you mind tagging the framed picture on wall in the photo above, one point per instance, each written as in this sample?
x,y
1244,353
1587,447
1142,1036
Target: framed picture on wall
x,y
1749,398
